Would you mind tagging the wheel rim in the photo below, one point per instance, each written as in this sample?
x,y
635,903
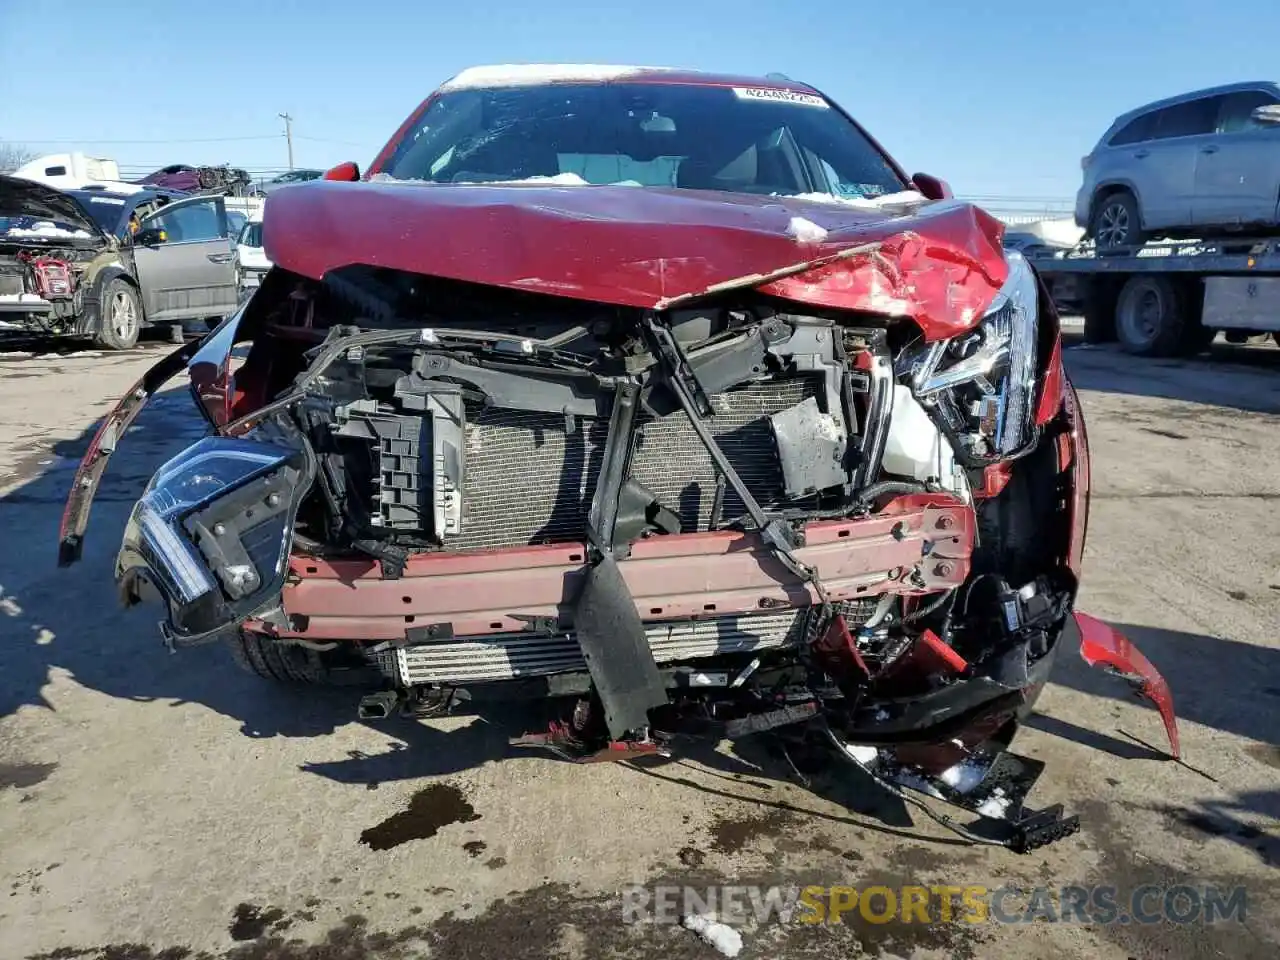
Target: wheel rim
x,y
1140,316
124,316
1113,225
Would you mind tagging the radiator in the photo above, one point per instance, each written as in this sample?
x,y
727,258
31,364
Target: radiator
x,y
528,481
509,656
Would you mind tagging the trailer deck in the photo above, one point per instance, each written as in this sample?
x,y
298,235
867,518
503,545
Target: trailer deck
x,y
1169,297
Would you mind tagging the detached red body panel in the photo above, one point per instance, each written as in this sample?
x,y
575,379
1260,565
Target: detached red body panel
x,y
1102,645
940,266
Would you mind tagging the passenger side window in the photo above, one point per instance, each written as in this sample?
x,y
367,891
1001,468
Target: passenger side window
x,y
1187,119
190,223
1237,109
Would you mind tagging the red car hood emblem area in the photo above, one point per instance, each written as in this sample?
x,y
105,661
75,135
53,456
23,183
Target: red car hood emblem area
x,y
647,247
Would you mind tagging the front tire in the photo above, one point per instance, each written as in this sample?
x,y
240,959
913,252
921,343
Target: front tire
x,y
292,664
1116,222
120,320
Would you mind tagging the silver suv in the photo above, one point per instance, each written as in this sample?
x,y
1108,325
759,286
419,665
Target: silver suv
x,y
1200,162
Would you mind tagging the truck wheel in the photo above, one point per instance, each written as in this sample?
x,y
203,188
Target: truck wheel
x,y
1099,309
1152,317
293,664
1116,222
120,319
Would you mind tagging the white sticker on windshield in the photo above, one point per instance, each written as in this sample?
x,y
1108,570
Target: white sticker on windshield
x,y
780,96
111,200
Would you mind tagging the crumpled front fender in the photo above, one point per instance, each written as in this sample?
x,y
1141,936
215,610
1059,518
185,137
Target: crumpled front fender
x,y
1102,645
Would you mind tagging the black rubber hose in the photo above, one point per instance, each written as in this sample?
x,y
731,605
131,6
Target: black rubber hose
x,y
868,494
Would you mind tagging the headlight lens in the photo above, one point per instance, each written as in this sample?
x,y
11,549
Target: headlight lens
x,y
219,513
982,383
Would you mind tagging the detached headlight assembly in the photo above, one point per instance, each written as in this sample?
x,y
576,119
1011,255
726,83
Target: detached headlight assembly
x,y
982,384
211,532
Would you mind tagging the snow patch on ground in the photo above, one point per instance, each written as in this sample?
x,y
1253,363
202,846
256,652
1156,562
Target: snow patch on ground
x,y
805,231
46,228
724,938
535,74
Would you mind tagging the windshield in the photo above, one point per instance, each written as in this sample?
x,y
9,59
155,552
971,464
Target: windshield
x,y
107,212
252,235
653,135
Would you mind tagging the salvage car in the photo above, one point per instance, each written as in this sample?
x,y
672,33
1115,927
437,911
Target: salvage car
x,y
189,179
666,398
63,274
60,272
1198,164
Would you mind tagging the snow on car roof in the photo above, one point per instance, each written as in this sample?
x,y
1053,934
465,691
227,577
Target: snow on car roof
x,y
532,74
538,74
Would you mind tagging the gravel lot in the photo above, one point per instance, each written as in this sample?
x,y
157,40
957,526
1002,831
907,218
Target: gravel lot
x,y
169,806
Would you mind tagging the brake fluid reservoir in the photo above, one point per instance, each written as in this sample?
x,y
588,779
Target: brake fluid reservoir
x,y
915,447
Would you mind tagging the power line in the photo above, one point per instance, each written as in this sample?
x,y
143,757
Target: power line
x,y
345,143
28,141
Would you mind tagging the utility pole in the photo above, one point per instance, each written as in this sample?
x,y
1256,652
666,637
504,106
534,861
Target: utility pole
x,y
288,134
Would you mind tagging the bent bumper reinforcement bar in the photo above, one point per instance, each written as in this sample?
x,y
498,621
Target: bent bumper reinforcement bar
x,y
918,544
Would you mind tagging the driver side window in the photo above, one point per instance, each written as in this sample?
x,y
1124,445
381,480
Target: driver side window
x,y
191,223
1237,109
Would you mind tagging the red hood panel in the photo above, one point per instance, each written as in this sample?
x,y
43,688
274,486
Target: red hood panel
x,y
642,247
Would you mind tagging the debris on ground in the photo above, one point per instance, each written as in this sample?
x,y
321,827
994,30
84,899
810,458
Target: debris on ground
x,y
721,936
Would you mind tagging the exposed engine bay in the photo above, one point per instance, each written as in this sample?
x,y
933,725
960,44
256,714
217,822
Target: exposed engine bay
x,y
42,287
734,519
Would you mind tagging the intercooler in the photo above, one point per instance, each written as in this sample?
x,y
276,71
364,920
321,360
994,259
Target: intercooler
x,y
510,656
529,480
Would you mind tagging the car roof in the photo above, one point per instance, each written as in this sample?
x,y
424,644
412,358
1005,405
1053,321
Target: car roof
x,y
136,196
1196,95
539,74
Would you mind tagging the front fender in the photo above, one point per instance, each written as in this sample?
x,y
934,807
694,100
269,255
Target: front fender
x,y
90,319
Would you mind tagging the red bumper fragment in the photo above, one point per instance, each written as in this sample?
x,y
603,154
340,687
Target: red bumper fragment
x,y
1102,645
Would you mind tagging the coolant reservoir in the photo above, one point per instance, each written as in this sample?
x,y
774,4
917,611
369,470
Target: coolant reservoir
x,y
915,447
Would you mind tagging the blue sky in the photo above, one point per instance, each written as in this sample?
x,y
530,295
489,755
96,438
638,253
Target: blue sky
x,y
999,97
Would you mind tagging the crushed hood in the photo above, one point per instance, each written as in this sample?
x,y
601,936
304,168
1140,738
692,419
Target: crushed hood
x,y
27,198
647,247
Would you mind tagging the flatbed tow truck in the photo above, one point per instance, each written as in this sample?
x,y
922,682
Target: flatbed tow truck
x,y
1169,297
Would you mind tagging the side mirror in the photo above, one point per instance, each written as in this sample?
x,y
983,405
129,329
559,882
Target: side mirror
x,y
1268,113
932,187
150,237
348,172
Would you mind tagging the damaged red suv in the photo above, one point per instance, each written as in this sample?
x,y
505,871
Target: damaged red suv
x,y
668,398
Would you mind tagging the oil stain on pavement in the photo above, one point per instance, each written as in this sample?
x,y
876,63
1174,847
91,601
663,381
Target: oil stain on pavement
x,y
20,776
430,809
